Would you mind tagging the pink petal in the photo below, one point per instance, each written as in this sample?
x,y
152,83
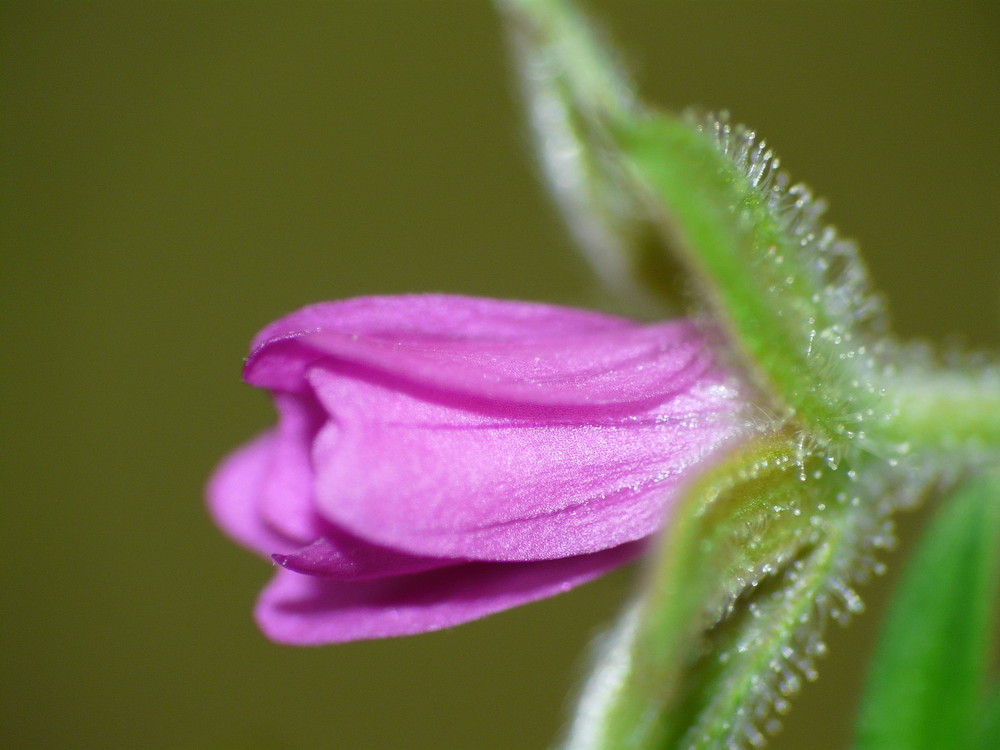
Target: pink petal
x,y
237,494
342,557
485,348
262,493
286,496
442,458
430,316
305,610
234,492
406,468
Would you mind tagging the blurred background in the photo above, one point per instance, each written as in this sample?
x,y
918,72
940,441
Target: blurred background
x,y
177,174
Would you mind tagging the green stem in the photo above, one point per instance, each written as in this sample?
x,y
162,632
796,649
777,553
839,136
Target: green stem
x,y
948,412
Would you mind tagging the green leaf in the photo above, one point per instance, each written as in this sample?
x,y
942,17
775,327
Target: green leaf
x,y
988,737
926,689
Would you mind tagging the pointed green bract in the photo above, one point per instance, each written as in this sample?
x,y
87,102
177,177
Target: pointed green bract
x,y
927,686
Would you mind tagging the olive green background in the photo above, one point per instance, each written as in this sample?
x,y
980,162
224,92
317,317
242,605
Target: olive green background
x,y
177,174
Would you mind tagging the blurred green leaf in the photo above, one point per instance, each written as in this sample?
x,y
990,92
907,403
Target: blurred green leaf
x,y
988,737
926,689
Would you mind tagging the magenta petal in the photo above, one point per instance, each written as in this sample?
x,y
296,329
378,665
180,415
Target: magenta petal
x,y
305,610
286,497
441,458
485,348
406,470
341,557
235,500
234,493
596,369
440,317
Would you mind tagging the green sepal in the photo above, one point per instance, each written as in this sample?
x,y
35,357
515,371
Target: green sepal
x,y
927,685
790,296
574,90
649,195
761,550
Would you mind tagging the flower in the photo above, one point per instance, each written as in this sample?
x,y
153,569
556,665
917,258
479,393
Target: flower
x,y
441,458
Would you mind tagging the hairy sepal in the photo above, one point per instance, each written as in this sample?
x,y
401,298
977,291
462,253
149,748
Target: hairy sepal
x,y
790,296
729,625
574,90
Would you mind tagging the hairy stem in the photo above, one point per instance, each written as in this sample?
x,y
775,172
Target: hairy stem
x,y
948,412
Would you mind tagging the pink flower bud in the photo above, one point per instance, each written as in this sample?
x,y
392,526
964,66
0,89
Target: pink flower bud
x,y
441,458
